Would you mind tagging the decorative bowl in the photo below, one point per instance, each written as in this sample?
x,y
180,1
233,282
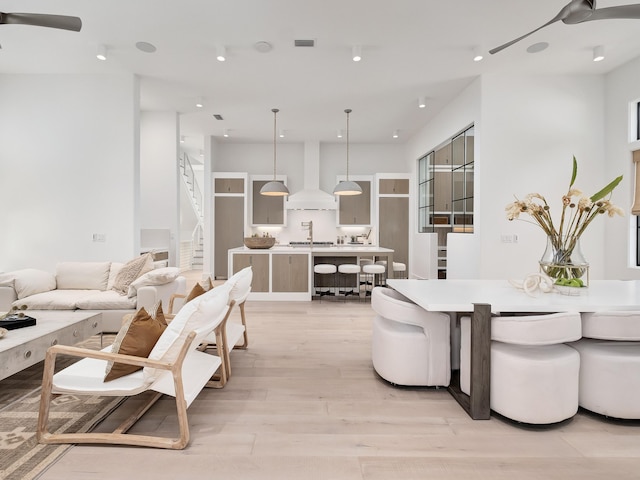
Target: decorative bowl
x,y
259,242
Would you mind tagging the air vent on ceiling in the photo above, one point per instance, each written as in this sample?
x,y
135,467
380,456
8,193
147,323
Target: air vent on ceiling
x,y
217,116
305,43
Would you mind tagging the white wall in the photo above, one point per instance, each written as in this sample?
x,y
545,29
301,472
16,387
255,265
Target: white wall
x,y
68,168
457,116
527,130
159,181
622,88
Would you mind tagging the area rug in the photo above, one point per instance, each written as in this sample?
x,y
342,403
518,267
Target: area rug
x,y
21,456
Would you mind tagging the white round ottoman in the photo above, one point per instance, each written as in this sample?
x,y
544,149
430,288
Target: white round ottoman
x,y
534,375
610,377
534,384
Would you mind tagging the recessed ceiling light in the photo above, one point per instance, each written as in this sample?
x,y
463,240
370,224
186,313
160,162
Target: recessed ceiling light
x,y
396,134
422,102
356,53
262,46
477,54
146,47
200,102
102,52
221,53
537,47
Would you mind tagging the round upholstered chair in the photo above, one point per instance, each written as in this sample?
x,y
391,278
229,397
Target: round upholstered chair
x,y
534,375
610,364
409,346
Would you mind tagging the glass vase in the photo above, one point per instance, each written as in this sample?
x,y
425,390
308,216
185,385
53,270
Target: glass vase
x,y
564,262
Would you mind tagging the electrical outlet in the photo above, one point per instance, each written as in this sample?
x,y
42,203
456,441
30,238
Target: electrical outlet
x,y
509,238
99,237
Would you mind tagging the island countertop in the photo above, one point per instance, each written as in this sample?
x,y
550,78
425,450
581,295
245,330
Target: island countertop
x,y
337,250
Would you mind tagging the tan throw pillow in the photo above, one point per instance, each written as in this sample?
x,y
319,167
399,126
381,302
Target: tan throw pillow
x,y
198,290
136,337
130,271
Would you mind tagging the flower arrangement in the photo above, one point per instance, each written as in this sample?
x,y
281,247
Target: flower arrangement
x,y
578,211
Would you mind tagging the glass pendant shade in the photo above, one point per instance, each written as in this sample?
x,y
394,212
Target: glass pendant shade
x,y
347,187
274,188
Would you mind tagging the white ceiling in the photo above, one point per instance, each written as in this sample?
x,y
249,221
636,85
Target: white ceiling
x,y
410,48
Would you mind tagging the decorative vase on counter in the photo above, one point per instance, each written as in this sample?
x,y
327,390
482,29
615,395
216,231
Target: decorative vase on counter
x,y
564,262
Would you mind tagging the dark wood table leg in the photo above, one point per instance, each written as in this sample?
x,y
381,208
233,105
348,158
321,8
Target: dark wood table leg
x,y
478,404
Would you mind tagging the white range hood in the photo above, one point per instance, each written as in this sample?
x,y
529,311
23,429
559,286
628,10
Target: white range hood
x,y
311,197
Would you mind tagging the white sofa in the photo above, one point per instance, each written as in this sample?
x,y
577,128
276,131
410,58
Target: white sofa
x,y
89,286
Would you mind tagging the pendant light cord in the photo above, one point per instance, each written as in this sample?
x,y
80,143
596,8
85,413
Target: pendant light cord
x,y
275,112
347,111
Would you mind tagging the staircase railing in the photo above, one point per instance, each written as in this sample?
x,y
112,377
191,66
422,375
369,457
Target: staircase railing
x,y
192,185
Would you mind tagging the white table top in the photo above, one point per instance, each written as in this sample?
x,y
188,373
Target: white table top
x,y
460,295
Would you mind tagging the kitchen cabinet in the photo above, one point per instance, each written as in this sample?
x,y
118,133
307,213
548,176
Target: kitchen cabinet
x,y
442,191
260,267
228,185
356,209
229,205
266,210
290,272
393,186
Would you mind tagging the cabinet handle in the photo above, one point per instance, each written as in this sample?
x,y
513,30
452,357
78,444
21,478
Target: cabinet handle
x,y
250,259
289,259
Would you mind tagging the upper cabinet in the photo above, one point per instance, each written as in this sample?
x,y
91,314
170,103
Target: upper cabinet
x,y
266,210
356,209
229,185
393,186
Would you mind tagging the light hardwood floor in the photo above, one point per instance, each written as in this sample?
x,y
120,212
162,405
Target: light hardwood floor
x,y
304,402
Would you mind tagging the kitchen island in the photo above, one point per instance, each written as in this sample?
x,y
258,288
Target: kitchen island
x,y
285,273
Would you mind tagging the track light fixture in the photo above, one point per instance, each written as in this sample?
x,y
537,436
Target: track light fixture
x,y
598,53
102,52
477,54
221,53
356,53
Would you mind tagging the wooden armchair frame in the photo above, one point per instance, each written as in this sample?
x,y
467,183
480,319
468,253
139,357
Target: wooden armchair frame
x,y
119,435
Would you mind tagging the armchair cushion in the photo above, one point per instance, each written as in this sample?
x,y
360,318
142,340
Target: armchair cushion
x,y
132,270
137,337
201,315
28,281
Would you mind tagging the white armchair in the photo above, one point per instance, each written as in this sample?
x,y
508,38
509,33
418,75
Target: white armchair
x,y
409,345
174,367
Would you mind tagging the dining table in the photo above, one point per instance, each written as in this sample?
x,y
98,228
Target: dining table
x,y
481,299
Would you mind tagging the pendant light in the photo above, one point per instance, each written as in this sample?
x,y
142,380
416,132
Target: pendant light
x,y
274,188
346,187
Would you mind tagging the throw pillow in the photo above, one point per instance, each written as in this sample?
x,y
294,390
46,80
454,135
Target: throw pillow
x,y
132,270
28,281
198,290
136,337
158,276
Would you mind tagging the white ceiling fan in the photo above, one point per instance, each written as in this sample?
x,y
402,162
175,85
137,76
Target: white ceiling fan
x,y
578,11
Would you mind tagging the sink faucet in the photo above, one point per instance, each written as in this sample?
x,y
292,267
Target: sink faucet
x,y
309,226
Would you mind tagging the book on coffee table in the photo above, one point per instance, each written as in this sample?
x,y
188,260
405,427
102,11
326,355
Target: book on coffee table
x,y
12,322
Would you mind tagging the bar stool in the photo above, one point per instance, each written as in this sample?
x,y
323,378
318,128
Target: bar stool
x,y
371,271
350,269
326,269
363,280
401,268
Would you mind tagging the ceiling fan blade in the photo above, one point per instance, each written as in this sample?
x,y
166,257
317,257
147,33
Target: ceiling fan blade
x,y
63,22
621,12
508,44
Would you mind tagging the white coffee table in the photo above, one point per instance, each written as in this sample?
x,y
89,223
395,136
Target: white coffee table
x,y
27,346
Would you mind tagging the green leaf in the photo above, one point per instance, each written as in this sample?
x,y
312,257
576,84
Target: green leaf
x,y
575,171
606,190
